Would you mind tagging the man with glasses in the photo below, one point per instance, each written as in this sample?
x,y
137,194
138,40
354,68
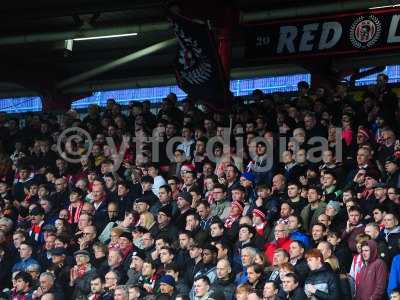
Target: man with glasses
x,y
282,241
221,205
112,280
88,238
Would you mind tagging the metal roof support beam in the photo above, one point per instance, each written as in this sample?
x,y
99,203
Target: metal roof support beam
x,y
256,16
116,63
311,10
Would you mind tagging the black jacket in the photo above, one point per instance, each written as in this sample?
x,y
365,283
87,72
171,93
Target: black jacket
x,y
296,294
225,286
302,270
326,282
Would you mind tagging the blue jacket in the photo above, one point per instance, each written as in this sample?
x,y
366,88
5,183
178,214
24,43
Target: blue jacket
x,y
394,275
21,265
301,237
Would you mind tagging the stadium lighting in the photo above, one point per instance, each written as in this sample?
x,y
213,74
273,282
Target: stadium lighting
x,y
105,36
385,6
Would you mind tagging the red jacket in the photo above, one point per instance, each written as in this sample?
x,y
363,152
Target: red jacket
x,y
373,275
270,248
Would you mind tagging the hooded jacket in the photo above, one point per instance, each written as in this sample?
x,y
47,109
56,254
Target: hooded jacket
x,y
373,276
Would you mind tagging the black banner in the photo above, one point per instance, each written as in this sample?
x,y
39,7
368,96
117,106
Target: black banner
x,y
362,32
198,67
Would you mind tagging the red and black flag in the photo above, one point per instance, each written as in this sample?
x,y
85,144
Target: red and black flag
x,y
198,66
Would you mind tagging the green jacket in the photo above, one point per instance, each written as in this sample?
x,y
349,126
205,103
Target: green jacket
x,y
309,218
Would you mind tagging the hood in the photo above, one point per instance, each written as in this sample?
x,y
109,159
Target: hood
x,y
394,230
373,246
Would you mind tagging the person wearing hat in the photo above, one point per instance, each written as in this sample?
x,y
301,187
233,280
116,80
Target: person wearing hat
x,y
247,180
165,226
37,220
336,214
392,168
167,286
184,202
60,267
260,223
142,205
81,274
135,268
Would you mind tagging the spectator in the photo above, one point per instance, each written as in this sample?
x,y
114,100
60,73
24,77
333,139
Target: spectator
x,y
373,275
291,287
321,282
353,228
282,241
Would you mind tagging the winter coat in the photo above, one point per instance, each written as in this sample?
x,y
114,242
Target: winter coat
x,y
394,275
373,276
326,283
82,285
350,237
269,248
310,217
225,286
300,236
392,240
296,294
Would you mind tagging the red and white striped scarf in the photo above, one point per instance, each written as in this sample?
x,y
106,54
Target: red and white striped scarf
x,y
35,230
74,219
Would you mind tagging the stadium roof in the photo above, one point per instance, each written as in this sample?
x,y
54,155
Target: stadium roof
x,y
33,47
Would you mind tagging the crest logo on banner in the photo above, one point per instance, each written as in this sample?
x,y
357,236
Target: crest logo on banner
x,y
365,32
196,68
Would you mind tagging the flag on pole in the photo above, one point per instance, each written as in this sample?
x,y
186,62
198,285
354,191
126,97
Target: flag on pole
x,y
198,67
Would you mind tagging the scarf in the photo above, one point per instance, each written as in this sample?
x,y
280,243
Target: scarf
x,y
260,228
35,231
82,270
74,219
356,269
230,220
125,252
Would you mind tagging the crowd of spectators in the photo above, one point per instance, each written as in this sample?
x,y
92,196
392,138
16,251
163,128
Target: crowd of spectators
x,y
301,201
